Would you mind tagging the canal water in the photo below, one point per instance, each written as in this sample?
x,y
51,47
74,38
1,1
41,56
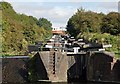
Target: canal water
x,y
65,83
85,82
72,83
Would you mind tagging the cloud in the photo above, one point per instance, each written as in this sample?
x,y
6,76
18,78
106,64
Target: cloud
x,y
58,15
94,0
108,6
58,12
62,0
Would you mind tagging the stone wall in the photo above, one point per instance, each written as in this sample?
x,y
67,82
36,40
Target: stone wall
x,y
101,67
14,70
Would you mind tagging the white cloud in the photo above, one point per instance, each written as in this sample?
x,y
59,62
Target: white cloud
x,y
94,0
108,7
56,14
62,0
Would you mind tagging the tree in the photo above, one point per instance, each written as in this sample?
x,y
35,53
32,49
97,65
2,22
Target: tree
x,y
84,21
20,30
111,23
44,23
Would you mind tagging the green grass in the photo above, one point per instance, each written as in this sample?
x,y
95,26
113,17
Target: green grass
x,y
117,55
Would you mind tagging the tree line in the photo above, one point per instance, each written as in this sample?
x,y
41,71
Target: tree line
x,y
93,26
20,30
92,22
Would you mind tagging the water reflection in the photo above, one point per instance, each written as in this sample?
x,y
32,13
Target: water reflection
x,y
70,83
64,83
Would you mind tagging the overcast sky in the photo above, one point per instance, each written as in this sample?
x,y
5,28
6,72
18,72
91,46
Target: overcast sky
x,y
59,12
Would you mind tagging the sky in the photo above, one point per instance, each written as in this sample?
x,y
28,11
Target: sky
x,y
59,11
